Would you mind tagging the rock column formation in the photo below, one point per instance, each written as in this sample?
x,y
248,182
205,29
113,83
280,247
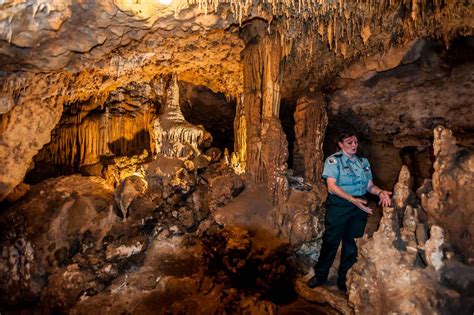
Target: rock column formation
x,y
448,198
390,276
267,147
310,124
239,156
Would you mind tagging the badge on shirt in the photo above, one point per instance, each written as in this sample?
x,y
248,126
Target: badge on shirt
x,y
332,161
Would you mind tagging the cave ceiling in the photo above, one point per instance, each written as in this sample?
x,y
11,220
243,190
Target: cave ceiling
x,y
97,46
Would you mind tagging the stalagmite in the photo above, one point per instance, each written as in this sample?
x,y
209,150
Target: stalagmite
x,y
448,196
174,136
310,123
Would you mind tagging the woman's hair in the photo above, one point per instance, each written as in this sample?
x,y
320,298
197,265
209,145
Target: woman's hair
x,y
345,133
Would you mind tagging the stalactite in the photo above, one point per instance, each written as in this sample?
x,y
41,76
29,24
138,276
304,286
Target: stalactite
x,y
89,139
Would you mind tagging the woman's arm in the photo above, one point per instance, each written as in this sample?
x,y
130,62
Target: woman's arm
x,y
335,189
384,195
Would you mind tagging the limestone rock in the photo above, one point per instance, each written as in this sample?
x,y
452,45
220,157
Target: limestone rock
x,y
19,192
388,262
403,194
322,295
123,251
394,57
6,104
434,248
266,147
222,185
201,161
310,123
43,230
175,137
129,189
67,285
450,199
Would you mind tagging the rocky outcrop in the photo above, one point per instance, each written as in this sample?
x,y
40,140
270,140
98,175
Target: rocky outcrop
x,y
399,269
448,197
28,127
46,229
322,295
65,242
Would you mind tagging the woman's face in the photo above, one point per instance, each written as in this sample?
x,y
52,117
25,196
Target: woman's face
x,y
349,145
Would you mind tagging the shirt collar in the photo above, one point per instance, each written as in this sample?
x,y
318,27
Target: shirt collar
x,y
346,159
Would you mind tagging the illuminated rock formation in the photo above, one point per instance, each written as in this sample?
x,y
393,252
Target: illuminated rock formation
x,y
266,146
415,265
174,136
91,88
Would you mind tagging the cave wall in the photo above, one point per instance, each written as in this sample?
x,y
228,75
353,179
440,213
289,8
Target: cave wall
x,y
47,44
95,131
394,108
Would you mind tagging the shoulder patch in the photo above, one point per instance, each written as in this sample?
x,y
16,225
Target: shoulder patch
x,y
332,161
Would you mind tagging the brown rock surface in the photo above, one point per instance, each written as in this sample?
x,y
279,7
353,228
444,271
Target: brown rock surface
x,y
323,295
310,125
80,85
450,199
174,136
391,277
395,110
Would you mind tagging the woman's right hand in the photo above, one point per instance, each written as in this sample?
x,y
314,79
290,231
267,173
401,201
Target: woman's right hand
x,y
361,204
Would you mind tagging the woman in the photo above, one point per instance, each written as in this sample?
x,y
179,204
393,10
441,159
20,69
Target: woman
x,y
348,179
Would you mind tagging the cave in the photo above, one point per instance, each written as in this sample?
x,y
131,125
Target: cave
x,y
167,156
214,111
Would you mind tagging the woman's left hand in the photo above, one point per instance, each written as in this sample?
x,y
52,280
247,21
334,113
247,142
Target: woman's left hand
x,y
384,198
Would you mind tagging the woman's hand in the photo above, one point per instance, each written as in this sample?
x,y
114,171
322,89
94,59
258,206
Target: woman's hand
x,y
361,204
384,198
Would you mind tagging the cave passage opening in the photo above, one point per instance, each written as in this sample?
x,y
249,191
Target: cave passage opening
x,y
214,111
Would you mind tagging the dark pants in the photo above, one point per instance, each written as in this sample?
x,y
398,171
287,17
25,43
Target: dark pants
x,y
345,222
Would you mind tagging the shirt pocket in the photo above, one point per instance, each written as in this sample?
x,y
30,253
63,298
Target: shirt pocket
x,y
347,179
